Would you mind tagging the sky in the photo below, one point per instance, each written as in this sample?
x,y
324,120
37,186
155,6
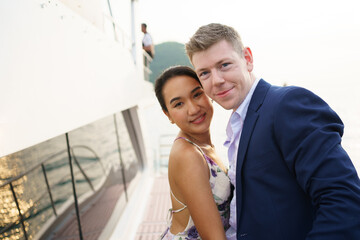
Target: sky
x,y
310,43
170,21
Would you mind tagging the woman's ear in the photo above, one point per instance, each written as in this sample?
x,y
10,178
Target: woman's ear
x,y
168,115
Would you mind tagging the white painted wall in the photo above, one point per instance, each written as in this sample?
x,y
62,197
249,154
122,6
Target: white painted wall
x,y
59,71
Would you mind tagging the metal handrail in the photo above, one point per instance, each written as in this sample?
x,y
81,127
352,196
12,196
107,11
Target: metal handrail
x,y
11,180
18,207
19,218
120,157
122,32
147,60
148,57
48,188
74,188
162,155
81,170
48,159
31,169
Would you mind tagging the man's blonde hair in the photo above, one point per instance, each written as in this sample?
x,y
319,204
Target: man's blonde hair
x,y
208,35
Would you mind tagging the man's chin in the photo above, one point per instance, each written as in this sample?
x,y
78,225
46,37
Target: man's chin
x,y
225,105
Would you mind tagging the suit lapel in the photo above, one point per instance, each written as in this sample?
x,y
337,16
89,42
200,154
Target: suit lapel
x,y
249,124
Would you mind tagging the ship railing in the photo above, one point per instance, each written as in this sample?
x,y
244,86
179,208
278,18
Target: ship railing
x,y
125,40
162,161
147,60
119,34
72,158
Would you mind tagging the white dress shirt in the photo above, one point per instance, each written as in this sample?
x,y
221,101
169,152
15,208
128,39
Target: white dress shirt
x,y
147,40
233,132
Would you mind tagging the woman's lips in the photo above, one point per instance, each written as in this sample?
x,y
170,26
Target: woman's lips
x,y
199,119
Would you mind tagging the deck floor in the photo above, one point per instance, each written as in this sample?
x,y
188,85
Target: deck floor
x,y
154,220
93,217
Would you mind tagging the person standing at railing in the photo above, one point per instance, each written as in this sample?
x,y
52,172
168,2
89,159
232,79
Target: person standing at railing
x,y
147,42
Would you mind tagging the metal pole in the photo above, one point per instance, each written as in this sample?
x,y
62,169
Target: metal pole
x,y
18,207
121,160
133,35
112,20
48,188
74,188
82,171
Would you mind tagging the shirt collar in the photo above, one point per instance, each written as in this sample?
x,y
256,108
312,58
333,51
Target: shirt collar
x,y
242,109
240,112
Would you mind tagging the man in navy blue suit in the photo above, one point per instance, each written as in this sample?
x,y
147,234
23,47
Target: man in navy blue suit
x,y
292,178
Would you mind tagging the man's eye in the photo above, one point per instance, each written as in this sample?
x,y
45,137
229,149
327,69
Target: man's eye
x,y
224,65
203,74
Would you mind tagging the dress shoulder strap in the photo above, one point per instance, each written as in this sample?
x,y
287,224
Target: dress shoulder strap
x,y
197,146
178,210
184,206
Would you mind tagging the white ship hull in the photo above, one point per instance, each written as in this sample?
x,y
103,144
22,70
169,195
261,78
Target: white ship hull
x,y
68,68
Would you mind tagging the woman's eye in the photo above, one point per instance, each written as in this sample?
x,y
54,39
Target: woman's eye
x,y
178,104
198,94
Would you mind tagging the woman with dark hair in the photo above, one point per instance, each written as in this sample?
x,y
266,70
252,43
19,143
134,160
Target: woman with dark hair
x,y
199,185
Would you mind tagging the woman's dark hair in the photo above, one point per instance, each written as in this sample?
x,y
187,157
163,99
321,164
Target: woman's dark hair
x,y
168,74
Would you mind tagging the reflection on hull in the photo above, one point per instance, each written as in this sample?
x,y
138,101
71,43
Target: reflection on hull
x,y
97,149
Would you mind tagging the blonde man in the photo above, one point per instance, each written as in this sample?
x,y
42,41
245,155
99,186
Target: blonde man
x,y
292,178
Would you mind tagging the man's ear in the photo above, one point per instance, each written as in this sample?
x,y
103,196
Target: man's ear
x,y
249,58
168,115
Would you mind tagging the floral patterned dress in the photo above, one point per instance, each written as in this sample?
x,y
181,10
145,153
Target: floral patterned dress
x,y
220,187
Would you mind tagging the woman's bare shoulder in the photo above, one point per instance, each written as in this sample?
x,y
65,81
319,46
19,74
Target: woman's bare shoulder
x,y
183,151
185,159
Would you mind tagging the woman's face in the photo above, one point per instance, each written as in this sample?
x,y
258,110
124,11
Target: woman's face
x,y
188,105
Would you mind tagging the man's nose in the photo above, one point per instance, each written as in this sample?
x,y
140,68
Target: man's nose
x,y
217,77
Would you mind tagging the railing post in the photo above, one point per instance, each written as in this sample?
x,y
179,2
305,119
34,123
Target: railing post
x,y
74,188
82,171
133,35
18,207
113,23
48,188
121,160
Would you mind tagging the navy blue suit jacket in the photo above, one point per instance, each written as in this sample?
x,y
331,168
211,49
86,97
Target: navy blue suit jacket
x,y
293,179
